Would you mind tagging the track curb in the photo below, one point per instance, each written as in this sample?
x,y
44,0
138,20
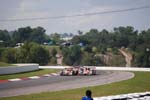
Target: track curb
x,y
28,78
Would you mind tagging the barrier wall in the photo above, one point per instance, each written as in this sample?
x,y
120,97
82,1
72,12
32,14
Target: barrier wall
x,y
18,68
123,68
101,68
53,67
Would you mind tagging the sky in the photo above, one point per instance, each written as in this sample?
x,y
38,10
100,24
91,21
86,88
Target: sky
x,y
23,9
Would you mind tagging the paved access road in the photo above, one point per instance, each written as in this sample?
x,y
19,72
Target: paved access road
x,y
56,83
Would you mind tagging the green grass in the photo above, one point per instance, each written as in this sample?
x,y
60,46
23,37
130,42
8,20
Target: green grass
x,y
2,64
28,74
140,83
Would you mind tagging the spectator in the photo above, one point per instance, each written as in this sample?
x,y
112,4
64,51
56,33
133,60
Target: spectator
x,y
88,95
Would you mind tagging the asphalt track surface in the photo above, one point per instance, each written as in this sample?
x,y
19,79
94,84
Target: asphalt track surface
x,y
57,83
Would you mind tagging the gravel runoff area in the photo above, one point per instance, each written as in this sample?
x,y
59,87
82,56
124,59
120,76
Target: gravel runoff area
x,y
57,83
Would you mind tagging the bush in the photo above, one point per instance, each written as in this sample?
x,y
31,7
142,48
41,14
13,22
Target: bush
x,y
29,53
9,56
88,59
1,52
53,52
72,56
39,55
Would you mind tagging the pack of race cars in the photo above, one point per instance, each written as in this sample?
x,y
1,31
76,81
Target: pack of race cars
x,y
73,71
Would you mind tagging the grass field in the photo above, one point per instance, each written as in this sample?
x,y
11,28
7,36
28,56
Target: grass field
x,y
2,64
28,74
140,83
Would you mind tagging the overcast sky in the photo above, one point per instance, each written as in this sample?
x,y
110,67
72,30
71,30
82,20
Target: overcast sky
x,y
18,9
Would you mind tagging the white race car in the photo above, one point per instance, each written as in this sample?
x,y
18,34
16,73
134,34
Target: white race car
x,y
78,71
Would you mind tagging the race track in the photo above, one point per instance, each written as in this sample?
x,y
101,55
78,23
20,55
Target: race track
x,y
56,83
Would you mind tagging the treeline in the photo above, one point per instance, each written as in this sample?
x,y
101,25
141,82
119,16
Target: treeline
x,y
86,49
29,40
101,42
28,53
10,39
120,37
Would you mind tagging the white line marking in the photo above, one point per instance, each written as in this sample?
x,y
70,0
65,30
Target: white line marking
x,y
16,79
47,75
54,74
34,77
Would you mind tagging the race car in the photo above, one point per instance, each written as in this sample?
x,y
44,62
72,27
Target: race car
x,y
78,71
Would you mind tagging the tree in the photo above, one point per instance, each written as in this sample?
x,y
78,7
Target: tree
x,y
89,59
1,52
72,56
16,38
38,35
33,53
143,52
4,38
24,33
143,58
56,38
123,36
53,52
30,34
23,53
94,49
76,40
21,35
39,55
9,56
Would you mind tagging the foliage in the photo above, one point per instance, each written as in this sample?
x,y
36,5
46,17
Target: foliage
x,y
56,38
53,61
23,54
1,51
28,53
89,59
38,35
9,55
100,41
94,41
76,55
23,34
143,49
33,53
143,58
38,55
4,38
72,55
75,39
53,52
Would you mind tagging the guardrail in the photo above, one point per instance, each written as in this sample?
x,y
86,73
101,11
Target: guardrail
x,y
18,68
